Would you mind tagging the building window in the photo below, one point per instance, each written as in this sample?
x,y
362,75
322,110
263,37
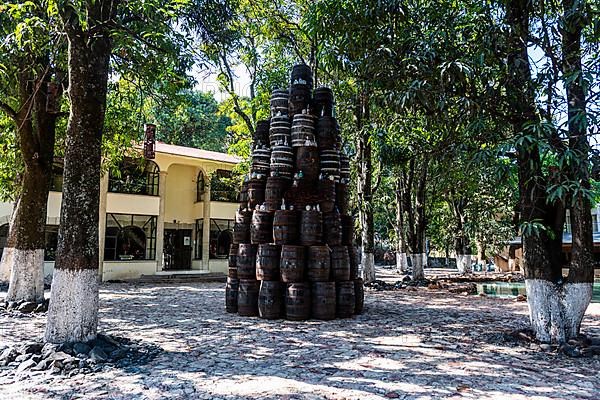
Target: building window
x,y
51,233
223,186
3,237
135,177
198,244
221,237
594,223
130,237
568,224
56,184
200,186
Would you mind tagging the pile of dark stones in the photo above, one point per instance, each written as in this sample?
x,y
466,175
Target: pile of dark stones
x,y
71,359
24,307
406,282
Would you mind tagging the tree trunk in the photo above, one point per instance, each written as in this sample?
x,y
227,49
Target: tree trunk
x,y
24,253
365,191
73,312
578,286
401,259
555,308
419,256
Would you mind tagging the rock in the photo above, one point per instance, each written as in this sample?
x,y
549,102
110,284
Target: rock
x,y
392,395
546,347
41,308
569,350
41,366
97,354
25,365
61,356
521,297
11,305
49,349
27,307
118,354
31,348
22,357
81,348
8,355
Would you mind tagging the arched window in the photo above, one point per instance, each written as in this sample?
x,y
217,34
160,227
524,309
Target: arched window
x,y
135,177
3,237
200,186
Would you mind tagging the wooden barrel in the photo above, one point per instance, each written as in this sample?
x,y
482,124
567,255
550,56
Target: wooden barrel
x,y
323,300
347,229
246,261
274,191
270,300
311,228
279,102
342,197
241,226
280,131
285,227
301,75
326,189
332,228
248,297
256,192
261,133
344,168
330,163
340,263
297,301
293,263
307,161
345,299
300,98
359,295
326,131
261,160
319,264
282,161
232,261
267,262
261,227
243,195
303,130
354,258
231,295
323,101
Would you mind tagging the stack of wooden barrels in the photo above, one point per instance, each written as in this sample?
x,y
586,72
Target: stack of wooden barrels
x,y
292,254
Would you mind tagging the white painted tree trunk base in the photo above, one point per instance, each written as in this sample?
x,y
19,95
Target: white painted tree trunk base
x,y
419,261
401,261
464,263
26,283
556,310
368,267
73,310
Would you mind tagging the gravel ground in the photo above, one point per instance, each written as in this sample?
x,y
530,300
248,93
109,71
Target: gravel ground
x,y
407,344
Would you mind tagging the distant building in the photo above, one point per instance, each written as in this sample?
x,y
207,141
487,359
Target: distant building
x,y
156,217
511,259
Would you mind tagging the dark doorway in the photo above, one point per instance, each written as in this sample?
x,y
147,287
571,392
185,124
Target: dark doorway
x,y
178,249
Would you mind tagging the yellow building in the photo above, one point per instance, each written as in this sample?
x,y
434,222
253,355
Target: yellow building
x,y
157,217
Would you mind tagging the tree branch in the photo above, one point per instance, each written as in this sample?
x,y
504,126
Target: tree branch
x,y
8,110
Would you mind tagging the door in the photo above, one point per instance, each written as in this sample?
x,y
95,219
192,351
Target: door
x,y
178,249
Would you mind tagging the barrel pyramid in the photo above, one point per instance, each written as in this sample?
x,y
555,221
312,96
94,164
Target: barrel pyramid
x,y
292,254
